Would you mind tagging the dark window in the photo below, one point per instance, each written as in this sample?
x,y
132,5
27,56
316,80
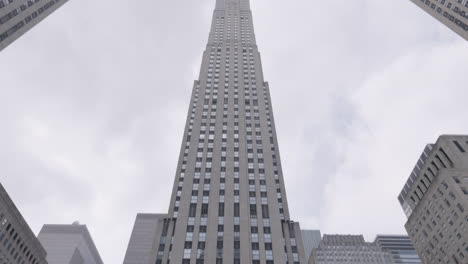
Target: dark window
x,y
460,148
192,210
253,210
265,212
204,210
221,209
236,210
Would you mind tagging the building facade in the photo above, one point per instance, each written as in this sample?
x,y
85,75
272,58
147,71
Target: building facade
x,y
19,16
311,239
143,238
452,13
18,244
348,249
435,200
69,244
229,203
400,247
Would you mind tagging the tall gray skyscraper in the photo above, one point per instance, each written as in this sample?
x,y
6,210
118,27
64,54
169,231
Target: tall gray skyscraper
x,y
452,13
229,201
348,249
400,247
69,244
18,244
435,200
19,16
311,239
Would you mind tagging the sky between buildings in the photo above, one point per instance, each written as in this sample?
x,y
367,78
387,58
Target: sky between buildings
x,y
94,99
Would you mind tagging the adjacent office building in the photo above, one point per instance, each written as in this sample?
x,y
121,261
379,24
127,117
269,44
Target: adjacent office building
x,y
18,244
311,239
452,13
435,200
143,238
229,202
400,247
19,16
69,244
348,249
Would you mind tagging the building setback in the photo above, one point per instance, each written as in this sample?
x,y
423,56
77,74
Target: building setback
x,y
400,247
19,16
69,244
229,203
452,13
18,244
435,200
348,249
311,239
143,238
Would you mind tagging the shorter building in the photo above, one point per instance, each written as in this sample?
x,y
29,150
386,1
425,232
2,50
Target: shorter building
x,y
452,13
400,247
310,239
348,249
142,244
19,16
69,244
435,200
18,244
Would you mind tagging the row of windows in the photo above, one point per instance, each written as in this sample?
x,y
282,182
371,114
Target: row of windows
x,y
11,243
27,20
4,3
463,13
440,161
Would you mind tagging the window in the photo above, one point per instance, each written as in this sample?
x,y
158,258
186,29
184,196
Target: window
x,y
204,210
192,210
253,210
221,209
460,148
265,212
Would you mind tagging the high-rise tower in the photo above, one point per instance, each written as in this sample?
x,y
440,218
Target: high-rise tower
x,y
19,16
435,200
229,201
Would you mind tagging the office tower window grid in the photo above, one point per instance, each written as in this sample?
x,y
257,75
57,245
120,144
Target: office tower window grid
x,y
18,16
453,13
400,248
18,244
348,249
436,202
229,201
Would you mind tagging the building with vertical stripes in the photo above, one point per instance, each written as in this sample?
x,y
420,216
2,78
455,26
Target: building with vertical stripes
x,y
229,201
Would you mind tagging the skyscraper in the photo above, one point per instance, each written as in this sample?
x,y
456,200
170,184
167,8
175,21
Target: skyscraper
x,y
19,16
400,247
452,13
311,239
435,200
348,249
18,244
69,244
142,240
229,201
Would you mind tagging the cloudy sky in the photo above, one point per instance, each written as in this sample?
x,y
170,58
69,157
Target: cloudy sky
x,y
93,102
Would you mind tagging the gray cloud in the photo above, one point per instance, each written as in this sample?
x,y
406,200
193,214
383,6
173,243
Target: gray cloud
x,y
94,99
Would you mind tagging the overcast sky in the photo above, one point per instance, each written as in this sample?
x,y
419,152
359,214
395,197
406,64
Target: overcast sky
x,y
94,99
